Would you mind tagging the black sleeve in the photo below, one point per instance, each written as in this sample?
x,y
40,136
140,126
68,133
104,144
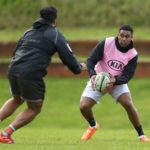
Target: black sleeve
x,y
18,45
21,41
95,56
128,72
66,54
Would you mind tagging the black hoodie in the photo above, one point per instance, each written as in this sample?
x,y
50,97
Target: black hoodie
x,y
33,52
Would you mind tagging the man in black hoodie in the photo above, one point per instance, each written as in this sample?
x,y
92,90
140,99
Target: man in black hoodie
x,y
32,56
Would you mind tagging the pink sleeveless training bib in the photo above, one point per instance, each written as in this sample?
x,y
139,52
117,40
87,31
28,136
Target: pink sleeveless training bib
x,y
113,60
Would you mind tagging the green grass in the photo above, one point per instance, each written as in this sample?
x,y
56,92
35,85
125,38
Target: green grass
x,y
4,59
101,33
144,58
69,139
60,124
78,33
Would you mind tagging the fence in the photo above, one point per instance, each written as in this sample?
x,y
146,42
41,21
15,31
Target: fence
x,y
81,48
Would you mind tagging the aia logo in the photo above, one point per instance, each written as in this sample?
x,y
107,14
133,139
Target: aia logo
x,y
116,65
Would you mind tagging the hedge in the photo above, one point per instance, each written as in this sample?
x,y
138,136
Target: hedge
x,y
75,13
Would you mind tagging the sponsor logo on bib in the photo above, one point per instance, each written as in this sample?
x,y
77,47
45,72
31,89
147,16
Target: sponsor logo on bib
x,y
116,65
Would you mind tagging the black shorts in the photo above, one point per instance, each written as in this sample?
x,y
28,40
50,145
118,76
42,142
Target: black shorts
x,y
26,89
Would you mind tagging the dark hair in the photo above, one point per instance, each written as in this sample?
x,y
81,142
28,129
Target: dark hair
x,y
49,13
126,27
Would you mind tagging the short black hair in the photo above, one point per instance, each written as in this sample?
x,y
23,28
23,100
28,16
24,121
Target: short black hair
x,y
126,27
49,13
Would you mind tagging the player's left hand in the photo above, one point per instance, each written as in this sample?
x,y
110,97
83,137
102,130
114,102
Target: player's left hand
x,y
111,83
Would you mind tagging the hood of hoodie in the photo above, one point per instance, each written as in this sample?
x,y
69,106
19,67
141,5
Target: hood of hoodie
x,y
40,23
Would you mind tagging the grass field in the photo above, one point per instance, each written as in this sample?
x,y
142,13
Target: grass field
x,y
4,59
78,33
60,124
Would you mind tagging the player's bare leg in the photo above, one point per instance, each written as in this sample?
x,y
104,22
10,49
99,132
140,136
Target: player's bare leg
x,y
7,110
9,107
21,120
126,101
86,105
27,115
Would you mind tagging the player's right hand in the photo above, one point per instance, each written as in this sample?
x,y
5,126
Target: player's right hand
x,y
84,66
93,81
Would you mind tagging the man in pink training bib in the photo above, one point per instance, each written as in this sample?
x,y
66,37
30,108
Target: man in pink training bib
x,y
118,57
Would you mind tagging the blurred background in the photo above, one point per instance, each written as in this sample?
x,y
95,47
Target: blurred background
x,y
98,18
84,23
76,13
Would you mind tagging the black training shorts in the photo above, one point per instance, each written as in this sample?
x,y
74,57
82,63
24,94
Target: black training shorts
x,y
28,90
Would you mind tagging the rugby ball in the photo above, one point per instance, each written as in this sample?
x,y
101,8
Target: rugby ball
x,y
101,81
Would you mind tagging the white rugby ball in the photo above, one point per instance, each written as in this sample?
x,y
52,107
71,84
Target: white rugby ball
x,y
101,81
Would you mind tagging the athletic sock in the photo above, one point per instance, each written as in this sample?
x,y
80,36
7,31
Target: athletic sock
x,y
139,130
8,131
92,122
